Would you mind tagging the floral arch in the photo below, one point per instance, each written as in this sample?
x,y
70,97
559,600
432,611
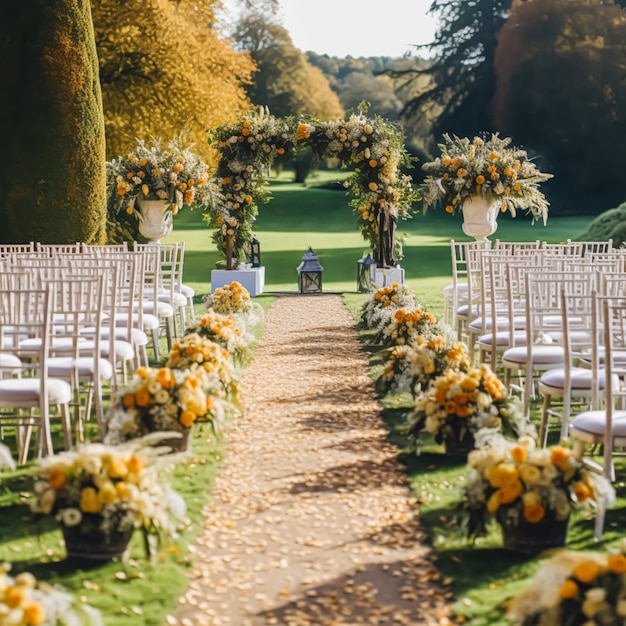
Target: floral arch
x,y
373,148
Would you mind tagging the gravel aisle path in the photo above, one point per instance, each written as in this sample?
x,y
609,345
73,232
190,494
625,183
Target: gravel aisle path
x,y
311,522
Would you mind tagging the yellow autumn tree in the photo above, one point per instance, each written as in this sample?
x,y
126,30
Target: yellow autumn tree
x,y
165,71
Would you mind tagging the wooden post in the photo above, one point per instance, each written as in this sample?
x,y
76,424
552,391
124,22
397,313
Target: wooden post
x,y
229,252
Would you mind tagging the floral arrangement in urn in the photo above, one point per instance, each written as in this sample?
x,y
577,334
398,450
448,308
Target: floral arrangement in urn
x,y
410,367
460,403
488,167
225,330
574,588
516,483
25,601
157,172
405,326
112,489
164,399
384,302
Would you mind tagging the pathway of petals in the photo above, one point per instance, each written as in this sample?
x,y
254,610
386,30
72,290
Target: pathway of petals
x,y
311,522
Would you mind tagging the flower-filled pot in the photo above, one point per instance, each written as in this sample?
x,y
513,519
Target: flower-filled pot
x,y
528,538
480,215
155,219
90,541
459,449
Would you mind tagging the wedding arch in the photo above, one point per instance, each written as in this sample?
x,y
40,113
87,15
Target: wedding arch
x,y
372,147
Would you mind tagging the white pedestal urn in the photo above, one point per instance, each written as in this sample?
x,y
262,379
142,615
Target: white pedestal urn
x,y
480,215
155,219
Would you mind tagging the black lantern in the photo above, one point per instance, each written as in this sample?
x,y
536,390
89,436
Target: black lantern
x,y
255,253
365,274
310,273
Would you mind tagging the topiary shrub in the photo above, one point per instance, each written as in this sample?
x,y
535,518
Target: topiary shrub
x,y
610,225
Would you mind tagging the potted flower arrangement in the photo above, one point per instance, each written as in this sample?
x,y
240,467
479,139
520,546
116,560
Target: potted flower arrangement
x,y
459,404
574,588
25,601
99,494
225,330
165,400
410,367
384,302
405,326
234,299
154,182
195,353
529,491
488,169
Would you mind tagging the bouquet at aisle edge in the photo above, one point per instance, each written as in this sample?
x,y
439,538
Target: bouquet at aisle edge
x,y
409,368
25,601
460,404
513,482
574,588
111,488
383,304
234,299
164,400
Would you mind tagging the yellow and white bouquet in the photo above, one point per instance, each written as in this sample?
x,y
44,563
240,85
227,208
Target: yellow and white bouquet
x,y
154,172
489,167
234,299
516,483
164,399
410,367
405,326
574,588
25,601
226,330
383,304
111,488
460,403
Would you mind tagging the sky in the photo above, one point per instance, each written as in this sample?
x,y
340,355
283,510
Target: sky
x,y
358,27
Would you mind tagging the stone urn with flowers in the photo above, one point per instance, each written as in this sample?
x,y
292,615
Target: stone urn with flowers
x,y
482,177
152,183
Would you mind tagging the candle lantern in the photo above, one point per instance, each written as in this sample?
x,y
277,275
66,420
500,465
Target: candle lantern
x,y
310,273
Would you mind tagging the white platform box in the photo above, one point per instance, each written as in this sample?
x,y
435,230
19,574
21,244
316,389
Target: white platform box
x,y
253,279
384,277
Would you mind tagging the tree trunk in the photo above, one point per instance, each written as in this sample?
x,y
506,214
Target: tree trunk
x,y
52,166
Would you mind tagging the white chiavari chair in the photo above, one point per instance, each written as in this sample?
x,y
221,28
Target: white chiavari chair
x,y
543,349
26,402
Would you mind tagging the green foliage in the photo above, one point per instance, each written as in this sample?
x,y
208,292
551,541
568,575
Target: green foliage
x,y
461,79
542,45
52,178
285,81
609,225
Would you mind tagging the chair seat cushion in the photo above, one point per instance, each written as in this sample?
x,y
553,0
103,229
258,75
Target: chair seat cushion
x,y
187,291
62,367
16,392
163,309
9,362
594,423
150,322
177,299
502,339
581,380
540,354
448,290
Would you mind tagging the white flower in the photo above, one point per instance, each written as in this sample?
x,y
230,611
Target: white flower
x,y
71,517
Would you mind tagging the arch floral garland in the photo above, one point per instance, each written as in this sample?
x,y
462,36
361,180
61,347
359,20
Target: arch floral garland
x,y
374,148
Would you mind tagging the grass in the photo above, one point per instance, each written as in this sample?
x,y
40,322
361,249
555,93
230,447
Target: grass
x,y
140,593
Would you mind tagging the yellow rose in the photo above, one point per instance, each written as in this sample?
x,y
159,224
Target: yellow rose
x,y
145,189
89,501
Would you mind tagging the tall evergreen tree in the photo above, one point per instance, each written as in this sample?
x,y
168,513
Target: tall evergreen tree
x,y
52,165
460,81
